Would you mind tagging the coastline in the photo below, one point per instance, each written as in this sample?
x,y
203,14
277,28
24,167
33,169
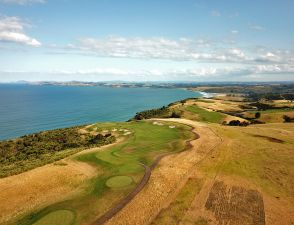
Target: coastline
x,y
29,122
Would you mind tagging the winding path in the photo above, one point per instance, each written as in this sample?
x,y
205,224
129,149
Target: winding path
x,y
122,203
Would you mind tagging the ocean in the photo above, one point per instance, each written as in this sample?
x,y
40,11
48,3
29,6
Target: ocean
x,y
26,109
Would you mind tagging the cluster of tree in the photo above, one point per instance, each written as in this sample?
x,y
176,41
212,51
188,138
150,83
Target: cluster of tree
x,y
175,115
48,143
271,96
153,113
261,106
236,123
288,119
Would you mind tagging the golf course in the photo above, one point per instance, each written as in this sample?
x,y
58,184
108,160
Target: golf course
x,y
118,170
186,163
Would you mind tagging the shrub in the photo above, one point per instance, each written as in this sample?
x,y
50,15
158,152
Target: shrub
x,y
257,115
153,113
175,115
34,150
234,123
288,119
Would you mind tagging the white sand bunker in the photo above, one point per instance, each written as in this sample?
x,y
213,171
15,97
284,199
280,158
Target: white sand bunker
x,y
172,127
127,133
157,123
114,130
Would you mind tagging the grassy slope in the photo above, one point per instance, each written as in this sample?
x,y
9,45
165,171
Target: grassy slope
x,y
174,213
204,115
268,164
31,151
145,143
272,115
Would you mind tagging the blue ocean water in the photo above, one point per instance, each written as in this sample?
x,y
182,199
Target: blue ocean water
x,y
26,109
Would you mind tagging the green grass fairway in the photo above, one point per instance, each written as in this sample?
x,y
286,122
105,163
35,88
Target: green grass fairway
x,y
119,181
59,217
204,115
119,166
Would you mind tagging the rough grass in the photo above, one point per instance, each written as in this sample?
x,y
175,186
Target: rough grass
x,y
272,115
146,141
174,213
201,221
268,164
204,115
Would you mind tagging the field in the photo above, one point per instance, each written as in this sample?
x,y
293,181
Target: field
x,y
119,169
246,177
272,115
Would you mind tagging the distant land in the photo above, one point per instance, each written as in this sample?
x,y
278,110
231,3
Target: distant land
x,y
201,86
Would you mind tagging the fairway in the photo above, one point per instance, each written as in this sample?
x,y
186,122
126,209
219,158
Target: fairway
x,y
204,115
59,217
120,167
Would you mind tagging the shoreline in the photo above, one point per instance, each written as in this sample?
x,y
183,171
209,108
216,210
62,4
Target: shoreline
x,y
203,95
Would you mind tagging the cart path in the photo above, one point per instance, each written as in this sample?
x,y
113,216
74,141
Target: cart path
x,y
122,203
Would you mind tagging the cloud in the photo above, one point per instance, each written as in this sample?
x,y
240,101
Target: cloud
x,y
226,73
234,32
233,15
179,50
235,52
12,30
256,27
183,49
22,2
215,13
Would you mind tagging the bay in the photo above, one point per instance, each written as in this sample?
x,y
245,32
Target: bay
x,y
26,109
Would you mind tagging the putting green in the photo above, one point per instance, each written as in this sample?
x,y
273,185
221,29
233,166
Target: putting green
x,y
58,217
119,181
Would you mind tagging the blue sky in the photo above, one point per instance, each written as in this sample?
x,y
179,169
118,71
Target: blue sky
x,y
154,40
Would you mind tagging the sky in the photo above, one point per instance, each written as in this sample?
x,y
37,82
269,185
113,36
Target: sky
x,y
147,40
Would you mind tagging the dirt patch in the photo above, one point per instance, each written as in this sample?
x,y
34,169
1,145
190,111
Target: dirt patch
x,y
235,205
271,139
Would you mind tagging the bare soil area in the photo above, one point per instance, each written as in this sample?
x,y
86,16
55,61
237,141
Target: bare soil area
x,y
235,205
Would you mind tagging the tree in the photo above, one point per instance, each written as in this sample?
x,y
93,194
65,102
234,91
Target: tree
x,y
234,123
288,119
257,115
175,115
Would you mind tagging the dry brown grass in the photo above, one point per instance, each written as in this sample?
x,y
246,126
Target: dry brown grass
x,y
41,186
37,188
256,174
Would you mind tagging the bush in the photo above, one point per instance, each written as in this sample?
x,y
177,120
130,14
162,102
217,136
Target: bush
x,y
257,115
45,147
261,106
175,115
238,123
288,119
153,113
234,123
